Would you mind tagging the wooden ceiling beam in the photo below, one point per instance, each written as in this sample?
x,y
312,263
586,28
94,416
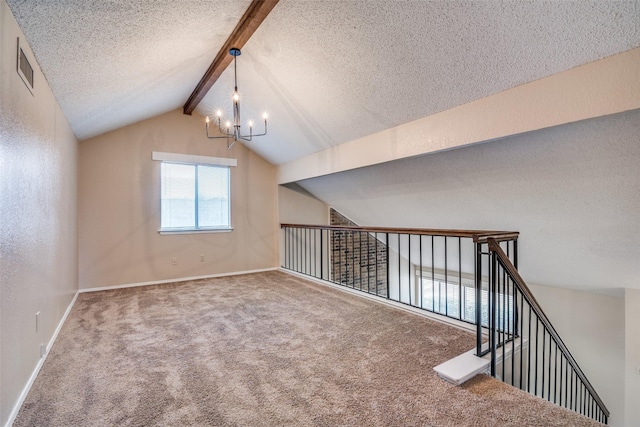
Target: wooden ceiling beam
x,y
248,24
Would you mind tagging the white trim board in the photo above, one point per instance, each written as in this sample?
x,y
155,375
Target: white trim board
x,y
36,371
176,280
192,158
600,88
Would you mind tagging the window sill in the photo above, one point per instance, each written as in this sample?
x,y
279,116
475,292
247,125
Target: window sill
x,y
206,230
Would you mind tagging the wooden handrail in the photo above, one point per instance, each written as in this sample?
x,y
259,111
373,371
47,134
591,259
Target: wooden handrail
x,y
533,303
478,236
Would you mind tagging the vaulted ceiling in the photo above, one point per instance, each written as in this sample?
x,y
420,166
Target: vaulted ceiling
x,y
326,71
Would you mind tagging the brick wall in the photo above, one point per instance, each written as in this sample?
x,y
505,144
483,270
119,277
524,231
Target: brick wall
x,y
359,260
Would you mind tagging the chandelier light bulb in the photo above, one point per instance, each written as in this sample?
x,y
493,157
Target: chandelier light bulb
x,y
250,123
228,124
207,119
265,115
219,113
236,97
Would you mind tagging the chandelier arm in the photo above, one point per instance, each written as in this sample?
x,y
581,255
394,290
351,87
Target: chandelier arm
x,y
224,133
232,132
251,134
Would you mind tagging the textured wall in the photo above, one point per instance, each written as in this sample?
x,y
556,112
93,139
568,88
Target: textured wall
x,y
593,327
38,238
573,192
119,207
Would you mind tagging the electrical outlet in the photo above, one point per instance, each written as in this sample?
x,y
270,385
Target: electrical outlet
x,y
37,321
201,257
174,261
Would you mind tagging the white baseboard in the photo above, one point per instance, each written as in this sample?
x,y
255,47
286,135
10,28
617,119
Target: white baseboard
x,y
34,374
380,300
180,279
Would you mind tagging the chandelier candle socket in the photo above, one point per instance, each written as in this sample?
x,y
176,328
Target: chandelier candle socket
x,y
231,129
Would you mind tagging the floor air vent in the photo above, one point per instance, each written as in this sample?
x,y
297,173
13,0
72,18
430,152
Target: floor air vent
x,y
25,70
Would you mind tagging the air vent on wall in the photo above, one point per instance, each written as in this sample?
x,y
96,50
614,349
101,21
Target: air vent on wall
x,y
25,70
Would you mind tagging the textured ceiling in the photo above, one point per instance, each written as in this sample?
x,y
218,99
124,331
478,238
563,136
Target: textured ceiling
x,y
116,62
327,71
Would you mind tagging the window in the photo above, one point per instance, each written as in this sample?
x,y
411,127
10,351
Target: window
x,y
194,196
458,301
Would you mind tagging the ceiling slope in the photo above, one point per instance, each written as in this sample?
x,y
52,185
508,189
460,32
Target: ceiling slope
x,y
113,63
332,72
327,72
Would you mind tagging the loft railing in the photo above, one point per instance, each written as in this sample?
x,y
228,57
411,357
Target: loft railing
x,y
434,270
526,350
467,275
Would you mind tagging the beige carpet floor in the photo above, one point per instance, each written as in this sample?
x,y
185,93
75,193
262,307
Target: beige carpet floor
x,y
266,349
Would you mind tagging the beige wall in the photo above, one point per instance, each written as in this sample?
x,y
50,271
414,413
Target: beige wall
x,y
38,238
632,357
593,328
119,207
297,206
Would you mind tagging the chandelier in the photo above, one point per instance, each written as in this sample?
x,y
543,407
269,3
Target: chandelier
x,y
230,129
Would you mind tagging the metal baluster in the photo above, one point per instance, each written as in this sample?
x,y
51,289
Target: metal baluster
x,y
492,312
503,321
478,297
433,279
446,280
544,347
286,250
529,354
549,383
353,260
555,376
573,394
420,283
343,258
521,337
295,242
409,267
561,383
537,356
322,254
368,263
376,261
360,260
388,265
399,269
459,278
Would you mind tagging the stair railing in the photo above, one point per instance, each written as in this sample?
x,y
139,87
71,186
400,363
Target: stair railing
x,y
526,350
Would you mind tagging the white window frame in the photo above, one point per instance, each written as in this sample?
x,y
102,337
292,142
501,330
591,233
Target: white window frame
x,y
194,160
